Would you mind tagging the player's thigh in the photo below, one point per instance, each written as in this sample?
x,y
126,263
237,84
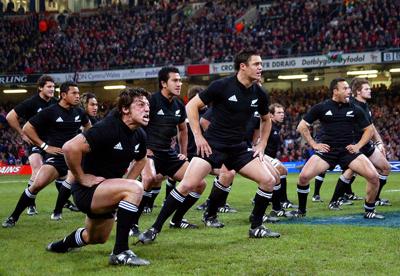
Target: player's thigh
x,y
362,166
257,171
380,162
45,175
313,167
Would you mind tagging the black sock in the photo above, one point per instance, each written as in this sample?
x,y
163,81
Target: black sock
x,y
30,182
143,203
216,199
27,199
302,193
58,183
284,188
261,201
347,189
369,207
276,196
382,182
63,194
319,179
73,240
340,188
171,184
125,216
172,203
190,200
154,193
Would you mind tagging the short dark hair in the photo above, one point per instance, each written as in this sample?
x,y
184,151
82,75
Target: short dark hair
x,y
194,91
334,84
244,57
43,79
86,97
163,74
274,106
356,85
128,95
65,86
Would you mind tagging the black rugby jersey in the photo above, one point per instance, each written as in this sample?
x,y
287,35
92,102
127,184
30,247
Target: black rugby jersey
x,y
31,106
233,107
252,125
368,114
338,121
113,146
164,118
274,140
59,124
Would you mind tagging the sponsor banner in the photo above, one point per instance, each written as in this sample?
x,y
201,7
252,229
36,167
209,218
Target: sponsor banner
x,y
329,60
199,69
391,56
18,79
127,74
295,167
10,170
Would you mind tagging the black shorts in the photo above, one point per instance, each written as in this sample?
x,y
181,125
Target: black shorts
x,y
83,197
36,149
58,162
166,163
368,149
338,156
234,157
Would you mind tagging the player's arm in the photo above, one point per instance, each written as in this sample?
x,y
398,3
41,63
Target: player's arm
x,y
87,126
192,111
183,138
30,131
136,168
265,130
365,138
74,150
378,141
303,129
204,123
13,120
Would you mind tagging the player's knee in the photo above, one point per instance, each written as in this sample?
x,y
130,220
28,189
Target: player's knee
x,y
98,239
386,169
135,187
268,182
304,178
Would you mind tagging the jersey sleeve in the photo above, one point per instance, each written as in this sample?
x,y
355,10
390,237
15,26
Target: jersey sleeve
x,y
183,112
208,114
42,120
263,104
211,93
313,114
22,110
361,118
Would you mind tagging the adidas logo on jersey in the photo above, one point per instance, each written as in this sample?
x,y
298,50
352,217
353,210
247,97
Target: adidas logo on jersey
x,y
50,160
40,109
232,98
160,112
329,113
118,146
178,113
254,103
59,120
77,119
349,113
256,114
137,148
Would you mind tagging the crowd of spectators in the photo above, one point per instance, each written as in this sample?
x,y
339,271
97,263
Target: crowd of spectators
x,y
164,33
385,107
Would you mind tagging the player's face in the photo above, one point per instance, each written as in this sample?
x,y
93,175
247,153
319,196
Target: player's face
x,y
92,107
47,90
72,96
139,111
343,92
174,84
365,91
279,115
253,68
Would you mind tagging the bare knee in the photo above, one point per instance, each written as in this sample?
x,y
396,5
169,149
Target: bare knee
x,y
268,182
304,179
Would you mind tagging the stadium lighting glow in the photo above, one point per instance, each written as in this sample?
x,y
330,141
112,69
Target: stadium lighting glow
x,y
113,87
316,78
292,77
368,76
14,91
362,72
305,79
57,89
394,70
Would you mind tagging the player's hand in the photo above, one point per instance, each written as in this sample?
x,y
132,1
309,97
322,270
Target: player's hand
x,y
353,148
26,139
321,147
203,148
259,151
182,156
89,180
53,150
381,148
